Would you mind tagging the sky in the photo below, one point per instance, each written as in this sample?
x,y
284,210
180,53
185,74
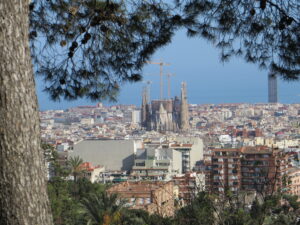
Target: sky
x,y
209,81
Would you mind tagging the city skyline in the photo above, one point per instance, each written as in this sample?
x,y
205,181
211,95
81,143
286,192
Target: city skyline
x,y
197,63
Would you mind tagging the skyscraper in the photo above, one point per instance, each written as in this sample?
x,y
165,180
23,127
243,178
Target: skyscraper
x,y
144,106
272,88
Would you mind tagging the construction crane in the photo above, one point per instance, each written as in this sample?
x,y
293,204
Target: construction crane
x,y
169,83
161,65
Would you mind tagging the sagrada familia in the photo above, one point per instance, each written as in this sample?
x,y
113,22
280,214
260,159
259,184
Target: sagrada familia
x,y
165,114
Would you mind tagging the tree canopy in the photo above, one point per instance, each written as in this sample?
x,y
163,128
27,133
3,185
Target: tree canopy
x,y
265,32
89,48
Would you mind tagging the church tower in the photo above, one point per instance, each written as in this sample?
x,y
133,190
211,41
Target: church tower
x,y
184,109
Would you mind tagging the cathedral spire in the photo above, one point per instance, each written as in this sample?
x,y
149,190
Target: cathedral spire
x,y
184,111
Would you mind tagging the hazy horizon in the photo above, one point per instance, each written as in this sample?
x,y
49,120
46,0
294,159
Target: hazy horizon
x,y
209,81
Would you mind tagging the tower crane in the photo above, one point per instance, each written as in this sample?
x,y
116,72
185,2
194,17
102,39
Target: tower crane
x,y
161,65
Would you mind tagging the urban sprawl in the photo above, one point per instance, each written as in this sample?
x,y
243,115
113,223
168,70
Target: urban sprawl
x,y
169,150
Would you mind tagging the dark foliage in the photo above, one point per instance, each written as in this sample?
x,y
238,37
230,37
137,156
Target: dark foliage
x,y
93,206
265,32
89,48
199,212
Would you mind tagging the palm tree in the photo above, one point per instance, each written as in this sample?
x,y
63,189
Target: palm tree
x,y
103,208
75,163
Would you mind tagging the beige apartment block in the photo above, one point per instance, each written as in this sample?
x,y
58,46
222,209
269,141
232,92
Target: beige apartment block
x,y
90,172
153,196
294,182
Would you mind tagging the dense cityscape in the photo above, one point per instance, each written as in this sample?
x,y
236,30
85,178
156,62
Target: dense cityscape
x,y
169,146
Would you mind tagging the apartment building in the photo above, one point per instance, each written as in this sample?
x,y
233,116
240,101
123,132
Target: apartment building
x,y
156,164
294,182
256,168
188,185
90,172
191,149
153,196
161,160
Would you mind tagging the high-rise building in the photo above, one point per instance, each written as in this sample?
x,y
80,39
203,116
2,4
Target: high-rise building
x,y
272,88
144,110
245,169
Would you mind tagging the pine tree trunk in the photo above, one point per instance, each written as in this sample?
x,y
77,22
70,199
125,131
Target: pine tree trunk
x,y
23,193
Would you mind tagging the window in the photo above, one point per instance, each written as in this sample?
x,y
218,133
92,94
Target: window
x,y
141,201
232,153
257,163
147,200
245,169
162,164
249,156
140,164
216,178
